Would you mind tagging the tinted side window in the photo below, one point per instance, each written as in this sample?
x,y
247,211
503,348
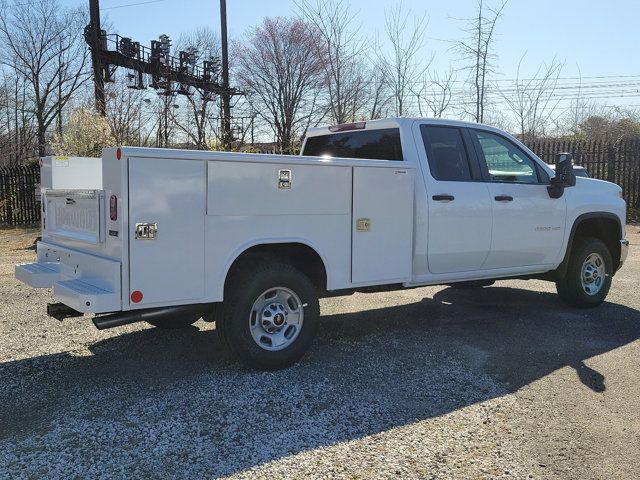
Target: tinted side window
x,y
447,155
505,161
383,144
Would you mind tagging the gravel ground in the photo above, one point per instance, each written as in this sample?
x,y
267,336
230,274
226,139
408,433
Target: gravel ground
x,y
499,382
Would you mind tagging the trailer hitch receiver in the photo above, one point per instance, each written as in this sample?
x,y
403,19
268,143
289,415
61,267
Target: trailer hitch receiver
x,y
60,311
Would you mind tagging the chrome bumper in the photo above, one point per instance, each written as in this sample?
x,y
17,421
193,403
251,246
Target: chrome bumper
x,y
624,251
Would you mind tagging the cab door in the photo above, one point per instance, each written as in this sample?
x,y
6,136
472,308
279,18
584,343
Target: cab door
x,y
528,225
459,205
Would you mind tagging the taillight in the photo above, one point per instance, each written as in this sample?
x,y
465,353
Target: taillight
x,y
113,207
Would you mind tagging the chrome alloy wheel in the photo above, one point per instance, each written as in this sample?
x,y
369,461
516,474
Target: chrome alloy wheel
x,y
276,318
593,274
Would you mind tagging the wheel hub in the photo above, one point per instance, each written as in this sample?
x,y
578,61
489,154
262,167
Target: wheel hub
x,y
276,318
593,274
273,317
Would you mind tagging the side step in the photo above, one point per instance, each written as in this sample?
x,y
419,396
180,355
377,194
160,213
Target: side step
x,y
84,296
38,275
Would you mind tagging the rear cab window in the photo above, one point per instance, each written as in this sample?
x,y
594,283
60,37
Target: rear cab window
x,y
376,144
446,153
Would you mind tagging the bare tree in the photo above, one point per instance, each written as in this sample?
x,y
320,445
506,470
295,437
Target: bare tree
x,y
17,135
435,93
125,113
403,65
43,44
378,95
339,49
477,51
579,109
279,68
196,121
532,100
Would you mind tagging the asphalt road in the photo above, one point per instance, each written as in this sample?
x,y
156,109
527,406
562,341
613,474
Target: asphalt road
x,y
497,382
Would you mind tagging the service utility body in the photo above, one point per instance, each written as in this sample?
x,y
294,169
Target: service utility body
x,y
252,241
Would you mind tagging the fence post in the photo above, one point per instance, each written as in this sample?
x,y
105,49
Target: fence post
x,y
611,164
6,187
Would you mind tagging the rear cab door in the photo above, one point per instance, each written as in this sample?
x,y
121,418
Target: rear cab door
x,y
459,208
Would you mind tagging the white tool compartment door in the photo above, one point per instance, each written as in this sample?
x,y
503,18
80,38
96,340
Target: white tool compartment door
x,y
169,194
382,225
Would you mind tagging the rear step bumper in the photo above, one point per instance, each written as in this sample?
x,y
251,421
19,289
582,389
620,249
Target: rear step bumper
x,y
84,282
85,297
38,275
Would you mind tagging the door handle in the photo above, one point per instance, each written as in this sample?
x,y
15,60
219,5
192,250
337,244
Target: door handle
x,y
504,198
443,198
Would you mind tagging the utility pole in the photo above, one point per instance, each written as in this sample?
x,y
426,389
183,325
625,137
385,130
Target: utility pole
x,y
95,42
226,96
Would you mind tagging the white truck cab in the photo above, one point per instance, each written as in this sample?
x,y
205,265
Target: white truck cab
x,y
252,241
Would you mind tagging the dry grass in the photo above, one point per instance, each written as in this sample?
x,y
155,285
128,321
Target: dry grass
x,y
17,244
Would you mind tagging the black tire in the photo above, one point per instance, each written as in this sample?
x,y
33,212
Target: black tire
x,y
245,287
176,322
570,287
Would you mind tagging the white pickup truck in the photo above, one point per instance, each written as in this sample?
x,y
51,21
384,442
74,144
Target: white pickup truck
x,y
252,241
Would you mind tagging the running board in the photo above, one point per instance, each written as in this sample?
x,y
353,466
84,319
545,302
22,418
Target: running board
x,y
112,320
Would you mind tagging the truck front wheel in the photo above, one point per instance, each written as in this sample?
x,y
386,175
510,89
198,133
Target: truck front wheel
x,y
588,276
270,315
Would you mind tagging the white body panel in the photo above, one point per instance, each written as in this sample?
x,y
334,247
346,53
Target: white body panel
x,y
382,203
74,215
66,173
171,267
371,222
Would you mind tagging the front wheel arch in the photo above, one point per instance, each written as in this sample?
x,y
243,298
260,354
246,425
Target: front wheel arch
x,y
605,226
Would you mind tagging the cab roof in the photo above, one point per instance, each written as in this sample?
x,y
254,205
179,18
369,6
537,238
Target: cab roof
x,y
394,122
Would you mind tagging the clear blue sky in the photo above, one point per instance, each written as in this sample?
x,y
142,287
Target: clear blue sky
x,y
602,37
596,38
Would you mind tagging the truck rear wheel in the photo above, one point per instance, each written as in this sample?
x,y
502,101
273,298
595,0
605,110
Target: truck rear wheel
x,y
270,315
588,276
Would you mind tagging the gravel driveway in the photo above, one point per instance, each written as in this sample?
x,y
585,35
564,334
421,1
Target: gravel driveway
x,y
436,382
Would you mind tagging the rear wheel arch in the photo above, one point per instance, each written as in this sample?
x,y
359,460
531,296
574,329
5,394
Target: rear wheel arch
x,y
295,253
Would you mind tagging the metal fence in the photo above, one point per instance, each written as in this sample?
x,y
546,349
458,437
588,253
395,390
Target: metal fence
x,y
19,195
618,163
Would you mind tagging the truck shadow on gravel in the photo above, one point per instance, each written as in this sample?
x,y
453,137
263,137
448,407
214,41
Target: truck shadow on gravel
x,y
154,400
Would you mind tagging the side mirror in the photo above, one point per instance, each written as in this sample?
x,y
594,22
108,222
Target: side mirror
x,y
565,176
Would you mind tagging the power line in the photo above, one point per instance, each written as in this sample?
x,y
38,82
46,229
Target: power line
x,y
126,5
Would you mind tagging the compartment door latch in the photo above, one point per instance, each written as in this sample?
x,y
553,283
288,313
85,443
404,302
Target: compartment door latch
x,y
146,231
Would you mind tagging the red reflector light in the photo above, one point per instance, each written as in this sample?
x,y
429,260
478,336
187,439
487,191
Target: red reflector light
x,y
136,296
113,208
118,153
348,126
